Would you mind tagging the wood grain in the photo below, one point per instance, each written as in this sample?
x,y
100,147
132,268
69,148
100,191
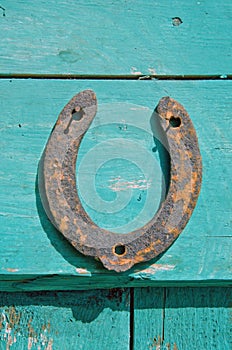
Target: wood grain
x,y
105,39
191,318
115,38
148,318
65,320
34,254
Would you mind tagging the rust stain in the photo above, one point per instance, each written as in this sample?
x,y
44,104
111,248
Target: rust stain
x,y
31,332
168,346
1,321
62,204
63,223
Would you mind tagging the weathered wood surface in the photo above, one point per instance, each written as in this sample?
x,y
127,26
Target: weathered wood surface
x,y
112,38
182,318
65,320
163,318
34,255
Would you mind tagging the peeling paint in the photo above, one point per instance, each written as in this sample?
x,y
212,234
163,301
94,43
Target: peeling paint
x,y
9,319
15,327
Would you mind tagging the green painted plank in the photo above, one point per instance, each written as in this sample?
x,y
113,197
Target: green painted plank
x,y
65,320
34,255
123,37
148,318
198,318
193,318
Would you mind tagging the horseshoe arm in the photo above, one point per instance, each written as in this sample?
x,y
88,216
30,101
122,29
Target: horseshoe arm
x,y
59,193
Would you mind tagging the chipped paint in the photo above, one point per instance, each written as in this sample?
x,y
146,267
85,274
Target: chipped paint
x,y
139,108
152,270
123,185
11,269
83,271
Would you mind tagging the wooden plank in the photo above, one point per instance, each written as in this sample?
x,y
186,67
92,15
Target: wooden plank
x,y
198,318
193,318
35,256
65,320
123,37
148,318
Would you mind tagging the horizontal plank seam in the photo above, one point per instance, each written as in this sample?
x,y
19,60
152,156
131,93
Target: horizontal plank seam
x,y
115,77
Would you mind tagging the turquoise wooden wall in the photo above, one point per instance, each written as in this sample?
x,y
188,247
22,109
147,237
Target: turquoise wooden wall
x,y
131,53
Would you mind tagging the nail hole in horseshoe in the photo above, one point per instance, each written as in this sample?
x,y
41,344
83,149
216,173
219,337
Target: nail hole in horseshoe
x,y
119,249
175,122
77,115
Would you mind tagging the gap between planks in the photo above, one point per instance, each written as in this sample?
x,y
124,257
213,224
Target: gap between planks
x,y
116,77
131,344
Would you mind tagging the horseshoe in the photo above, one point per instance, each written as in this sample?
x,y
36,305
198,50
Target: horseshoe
x,y
59,193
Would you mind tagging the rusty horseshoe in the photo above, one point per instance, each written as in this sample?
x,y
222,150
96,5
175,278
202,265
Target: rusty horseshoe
x,y
59,194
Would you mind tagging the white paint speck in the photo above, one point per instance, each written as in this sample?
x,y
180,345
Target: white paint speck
x,y
135,71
